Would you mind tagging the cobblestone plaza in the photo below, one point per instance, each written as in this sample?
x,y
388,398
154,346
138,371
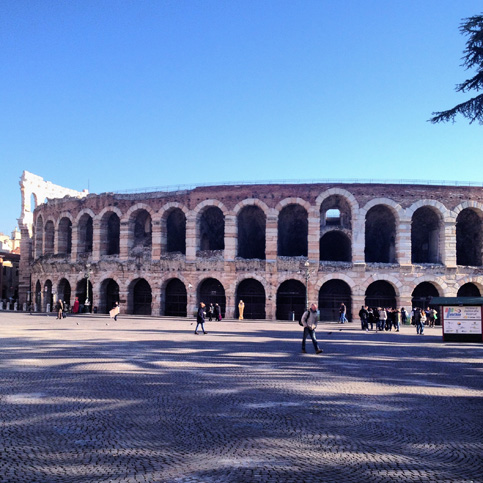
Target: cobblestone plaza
x,y
145,400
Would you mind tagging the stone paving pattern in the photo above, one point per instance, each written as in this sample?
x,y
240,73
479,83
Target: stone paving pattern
x,y
145,400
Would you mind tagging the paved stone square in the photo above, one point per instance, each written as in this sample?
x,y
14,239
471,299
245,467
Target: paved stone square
x,y
145,400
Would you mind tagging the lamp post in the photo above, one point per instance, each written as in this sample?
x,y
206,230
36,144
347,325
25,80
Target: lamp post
x,y
88,274
307,276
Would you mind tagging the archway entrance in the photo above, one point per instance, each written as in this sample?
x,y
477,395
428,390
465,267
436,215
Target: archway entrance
x,y
252,293
141,297
211,291
176,298
290,300
331,295
380,294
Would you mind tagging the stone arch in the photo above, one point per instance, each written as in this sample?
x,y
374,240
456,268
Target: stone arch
x,y
469,289
49,236
85,231
39,236
293,229
291,300
253,294
341,193
427,234
139,219
140,297
422,294
175,298
109,294
332,293
381,293
251,202
469,236
381,222
251,231
109,231
211,290
64,233
210,226
335,246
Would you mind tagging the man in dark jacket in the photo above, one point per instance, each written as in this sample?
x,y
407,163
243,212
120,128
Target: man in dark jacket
x,y
309,320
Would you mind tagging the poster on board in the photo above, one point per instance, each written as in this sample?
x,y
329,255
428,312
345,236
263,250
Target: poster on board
x,y
462,319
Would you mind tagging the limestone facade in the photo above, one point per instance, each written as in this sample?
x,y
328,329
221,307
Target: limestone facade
x,y
161,253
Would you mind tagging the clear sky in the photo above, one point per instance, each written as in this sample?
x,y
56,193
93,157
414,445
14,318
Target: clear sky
x,y
119,95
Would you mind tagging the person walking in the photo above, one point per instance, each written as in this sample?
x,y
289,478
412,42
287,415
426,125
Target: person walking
x,y
217,312
200,318
309,320
114,312
59,307
342,312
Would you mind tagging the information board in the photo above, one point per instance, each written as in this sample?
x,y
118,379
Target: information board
x,y
462,319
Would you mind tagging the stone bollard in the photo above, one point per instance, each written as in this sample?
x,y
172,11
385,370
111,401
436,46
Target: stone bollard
x,y
36,308
47,309
25,307
8,305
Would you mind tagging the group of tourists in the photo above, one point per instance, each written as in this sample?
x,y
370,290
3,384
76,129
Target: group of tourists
x,y
386,318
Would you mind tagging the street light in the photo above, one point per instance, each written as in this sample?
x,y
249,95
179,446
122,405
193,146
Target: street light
x,y
88,274
307,276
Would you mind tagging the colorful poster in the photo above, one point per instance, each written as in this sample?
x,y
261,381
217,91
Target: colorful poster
x,y
462,320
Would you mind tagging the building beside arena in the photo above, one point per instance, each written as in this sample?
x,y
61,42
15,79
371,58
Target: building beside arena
x,y
162,252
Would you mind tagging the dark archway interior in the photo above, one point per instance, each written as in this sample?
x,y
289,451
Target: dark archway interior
x,y
212,229
251,233
113,234
293,231
380,294
176,298
142,297
380,246
468,238
211,291
425,232
65,236
469,290
252,293
49,237
85,234
331,295
335,246
143,229
291,300
176,231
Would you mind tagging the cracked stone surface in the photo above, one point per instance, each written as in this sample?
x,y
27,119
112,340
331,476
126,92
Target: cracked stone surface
x,y
145,400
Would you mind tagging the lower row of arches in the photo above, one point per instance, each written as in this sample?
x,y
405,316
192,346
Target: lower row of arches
x,y
291,297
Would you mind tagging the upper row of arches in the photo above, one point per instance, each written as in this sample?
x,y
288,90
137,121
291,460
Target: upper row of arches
x,y
252,230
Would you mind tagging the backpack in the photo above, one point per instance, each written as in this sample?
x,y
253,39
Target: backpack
x,y
300,321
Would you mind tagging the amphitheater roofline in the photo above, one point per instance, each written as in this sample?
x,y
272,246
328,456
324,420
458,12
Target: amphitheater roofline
x,y
185,188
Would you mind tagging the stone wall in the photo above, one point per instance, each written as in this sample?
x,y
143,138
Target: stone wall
x,y
402,243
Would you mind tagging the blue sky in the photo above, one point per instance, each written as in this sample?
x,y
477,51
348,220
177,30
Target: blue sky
x,y
119,95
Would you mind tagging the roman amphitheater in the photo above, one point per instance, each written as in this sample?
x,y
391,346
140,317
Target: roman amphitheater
x,y
274,246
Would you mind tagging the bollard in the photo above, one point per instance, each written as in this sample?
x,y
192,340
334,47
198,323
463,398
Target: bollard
x,y
47,309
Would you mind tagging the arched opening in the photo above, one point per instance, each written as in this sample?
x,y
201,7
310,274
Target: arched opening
x,y
211,291
251,233
331,295
86,297
291,300
140,234
176,231
141,297
422,294
335,211
380,245
48,297
469,238
39,233
380,294
176,299
38,296
293,228
33,202
85,231
110,234
49,237
252,293
468,290
335,246
425,234
64,292
65,237
212,229
109,295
